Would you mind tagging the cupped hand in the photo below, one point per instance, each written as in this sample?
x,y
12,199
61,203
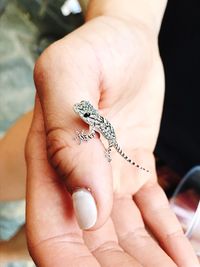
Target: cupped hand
x,y
115,65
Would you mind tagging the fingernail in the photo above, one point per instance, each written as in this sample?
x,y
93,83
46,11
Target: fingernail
x,y
85,208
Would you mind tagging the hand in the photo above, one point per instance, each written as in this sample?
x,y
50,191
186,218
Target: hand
x,y
116,67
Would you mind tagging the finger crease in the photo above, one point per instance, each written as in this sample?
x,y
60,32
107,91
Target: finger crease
x,y
176,234
139,232
110,246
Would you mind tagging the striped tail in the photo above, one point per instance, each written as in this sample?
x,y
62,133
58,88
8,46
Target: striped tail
x,y
120,151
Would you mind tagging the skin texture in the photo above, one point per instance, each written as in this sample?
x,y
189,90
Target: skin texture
x,y
113,62
149,13
115,65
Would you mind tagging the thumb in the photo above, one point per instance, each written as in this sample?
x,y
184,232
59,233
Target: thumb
x,y
84,168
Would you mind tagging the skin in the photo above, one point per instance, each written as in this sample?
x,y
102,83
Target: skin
x,y
113,63
12,162
121,85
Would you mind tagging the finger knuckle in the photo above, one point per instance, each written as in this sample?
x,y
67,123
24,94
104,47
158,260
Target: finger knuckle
x,y
108,246
58,150
138,232
56,141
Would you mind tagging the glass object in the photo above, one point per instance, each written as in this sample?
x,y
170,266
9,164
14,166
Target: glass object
x,y
185,202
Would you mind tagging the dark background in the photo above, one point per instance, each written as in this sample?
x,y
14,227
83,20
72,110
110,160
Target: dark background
x,y
179,139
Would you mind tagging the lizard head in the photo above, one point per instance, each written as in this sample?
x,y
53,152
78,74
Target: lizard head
x,y
86,111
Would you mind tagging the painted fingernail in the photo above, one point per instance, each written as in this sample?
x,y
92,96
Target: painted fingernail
x,y
85,208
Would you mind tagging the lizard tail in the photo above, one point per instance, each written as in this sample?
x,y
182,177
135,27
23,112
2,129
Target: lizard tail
x,y
120,151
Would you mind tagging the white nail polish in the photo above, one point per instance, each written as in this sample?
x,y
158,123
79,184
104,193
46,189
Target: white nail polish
x,y
85,208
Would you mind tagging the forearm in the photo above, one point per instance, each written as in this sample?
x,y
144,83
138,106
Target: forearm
x,y
147,12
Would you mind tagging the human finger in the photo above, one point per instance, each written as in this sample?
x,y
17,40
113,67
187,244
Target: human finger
x,y
54,238
103,243
61,82
133,237
155,209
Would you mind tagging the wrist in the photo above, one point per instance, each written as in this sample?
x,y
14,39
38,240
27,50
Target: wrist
x,y
148,15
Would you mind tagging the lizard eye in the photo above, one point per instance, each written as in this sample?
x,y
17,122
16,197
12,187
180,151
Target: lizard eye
x,y
86,115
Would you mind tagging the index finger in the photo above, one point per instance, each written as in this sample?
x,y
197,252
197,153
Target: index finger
x,y
54,238
64,78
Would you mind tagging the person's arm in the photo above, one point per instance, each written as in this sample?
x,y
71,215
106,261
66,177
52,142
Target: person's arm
x,y
149,13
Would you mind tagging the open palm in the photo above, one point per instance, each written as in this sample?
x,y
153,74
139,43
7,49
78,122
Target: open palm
x,y
117,68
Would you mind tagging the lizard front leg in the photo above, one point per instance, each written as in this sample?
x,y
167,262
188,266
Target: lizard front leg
x,y
82,136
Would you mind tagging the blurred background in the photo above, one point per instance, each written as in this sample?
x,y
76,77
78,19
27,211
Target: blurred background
x,y
26,29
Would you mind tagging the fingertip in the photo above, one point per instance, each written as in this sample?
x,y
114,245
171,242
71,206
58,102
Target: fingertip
x,y
91,207
92,200
85,208
88,178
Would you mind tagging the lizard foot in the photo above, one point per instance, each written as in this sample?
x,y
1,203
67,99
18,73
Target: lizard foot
x,y
108,156
82,136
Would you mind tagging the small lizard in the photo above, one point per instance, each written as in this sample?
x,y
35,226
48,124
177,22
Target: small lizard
x,y
98,123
